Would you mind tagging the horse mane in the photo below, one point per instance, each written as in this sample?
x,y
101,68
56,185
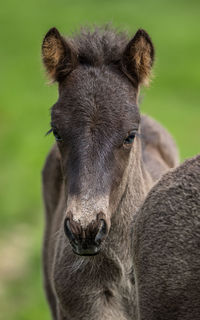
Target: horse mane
x,y
99,45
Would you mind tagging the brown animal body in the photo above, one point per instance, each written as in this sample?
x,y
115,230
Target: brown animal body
x,y
96,176
166,243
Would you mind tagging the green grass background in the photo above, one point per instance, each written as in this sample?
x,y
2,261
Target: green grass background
x,y
25,99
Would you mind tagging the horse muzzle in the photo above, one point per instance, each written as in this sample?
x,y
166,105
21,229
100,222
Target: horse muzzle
x,y
86,241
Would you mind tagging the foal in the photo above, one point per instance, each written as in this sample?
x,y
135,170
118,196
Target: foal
x,y
166,247
95,178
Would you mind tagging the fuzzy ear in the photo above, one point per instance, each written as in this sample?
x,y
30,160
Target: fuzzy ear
x,y
59,57
138,58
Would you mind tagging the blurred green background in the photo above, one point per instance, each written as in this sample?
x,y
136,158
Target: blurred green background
x,y
173,99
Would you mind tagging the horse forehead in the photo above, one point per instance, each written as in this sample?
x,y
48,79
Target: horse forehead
x,y
97,87
99,103
97,98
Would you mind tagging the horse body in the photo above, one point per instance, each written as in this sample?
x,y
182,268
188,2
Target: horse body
x,y
97,175
166,243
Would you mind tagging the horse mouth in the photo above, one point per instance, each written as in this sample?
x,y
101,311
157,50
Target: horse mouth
x,y
88,251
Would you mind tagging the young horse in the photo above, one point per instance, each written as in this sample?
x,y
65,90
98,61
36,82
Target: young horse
x,y
94,178
166,241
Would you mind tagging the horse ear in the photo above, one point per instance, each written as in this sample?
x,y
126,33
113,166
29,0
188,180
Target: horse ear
x,y
59,57
138,58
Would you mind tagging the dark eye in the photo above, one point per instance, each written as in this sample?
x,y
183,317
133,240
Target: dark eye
x,y
56,135
130,138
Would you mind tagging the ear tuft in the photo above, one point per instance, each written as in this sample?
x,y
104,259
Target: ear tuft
x,y
58,55
138,58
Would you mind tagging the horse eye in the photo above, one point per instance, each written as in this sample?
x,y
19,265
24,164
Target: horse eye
x,y
56,135
130,138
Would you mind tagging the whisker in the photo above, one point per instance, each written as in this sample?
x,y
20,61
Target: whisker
x,y
55,234
48,132
139,135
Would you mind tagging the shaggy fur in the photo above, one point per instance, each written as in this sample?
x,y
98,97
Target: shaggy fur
x,y
92,170
166,241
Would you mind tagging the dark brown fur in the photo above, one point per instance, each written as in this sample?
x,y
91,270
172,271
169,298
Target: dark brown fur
x,y
166,243
93,173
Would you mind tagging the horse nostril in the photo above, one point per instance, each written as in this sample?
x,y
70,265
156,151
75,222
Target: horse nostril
x,y
68,231
101,232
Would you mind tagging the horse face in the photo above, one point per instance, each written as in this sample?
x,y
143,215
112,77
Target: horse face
x,y
95,122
